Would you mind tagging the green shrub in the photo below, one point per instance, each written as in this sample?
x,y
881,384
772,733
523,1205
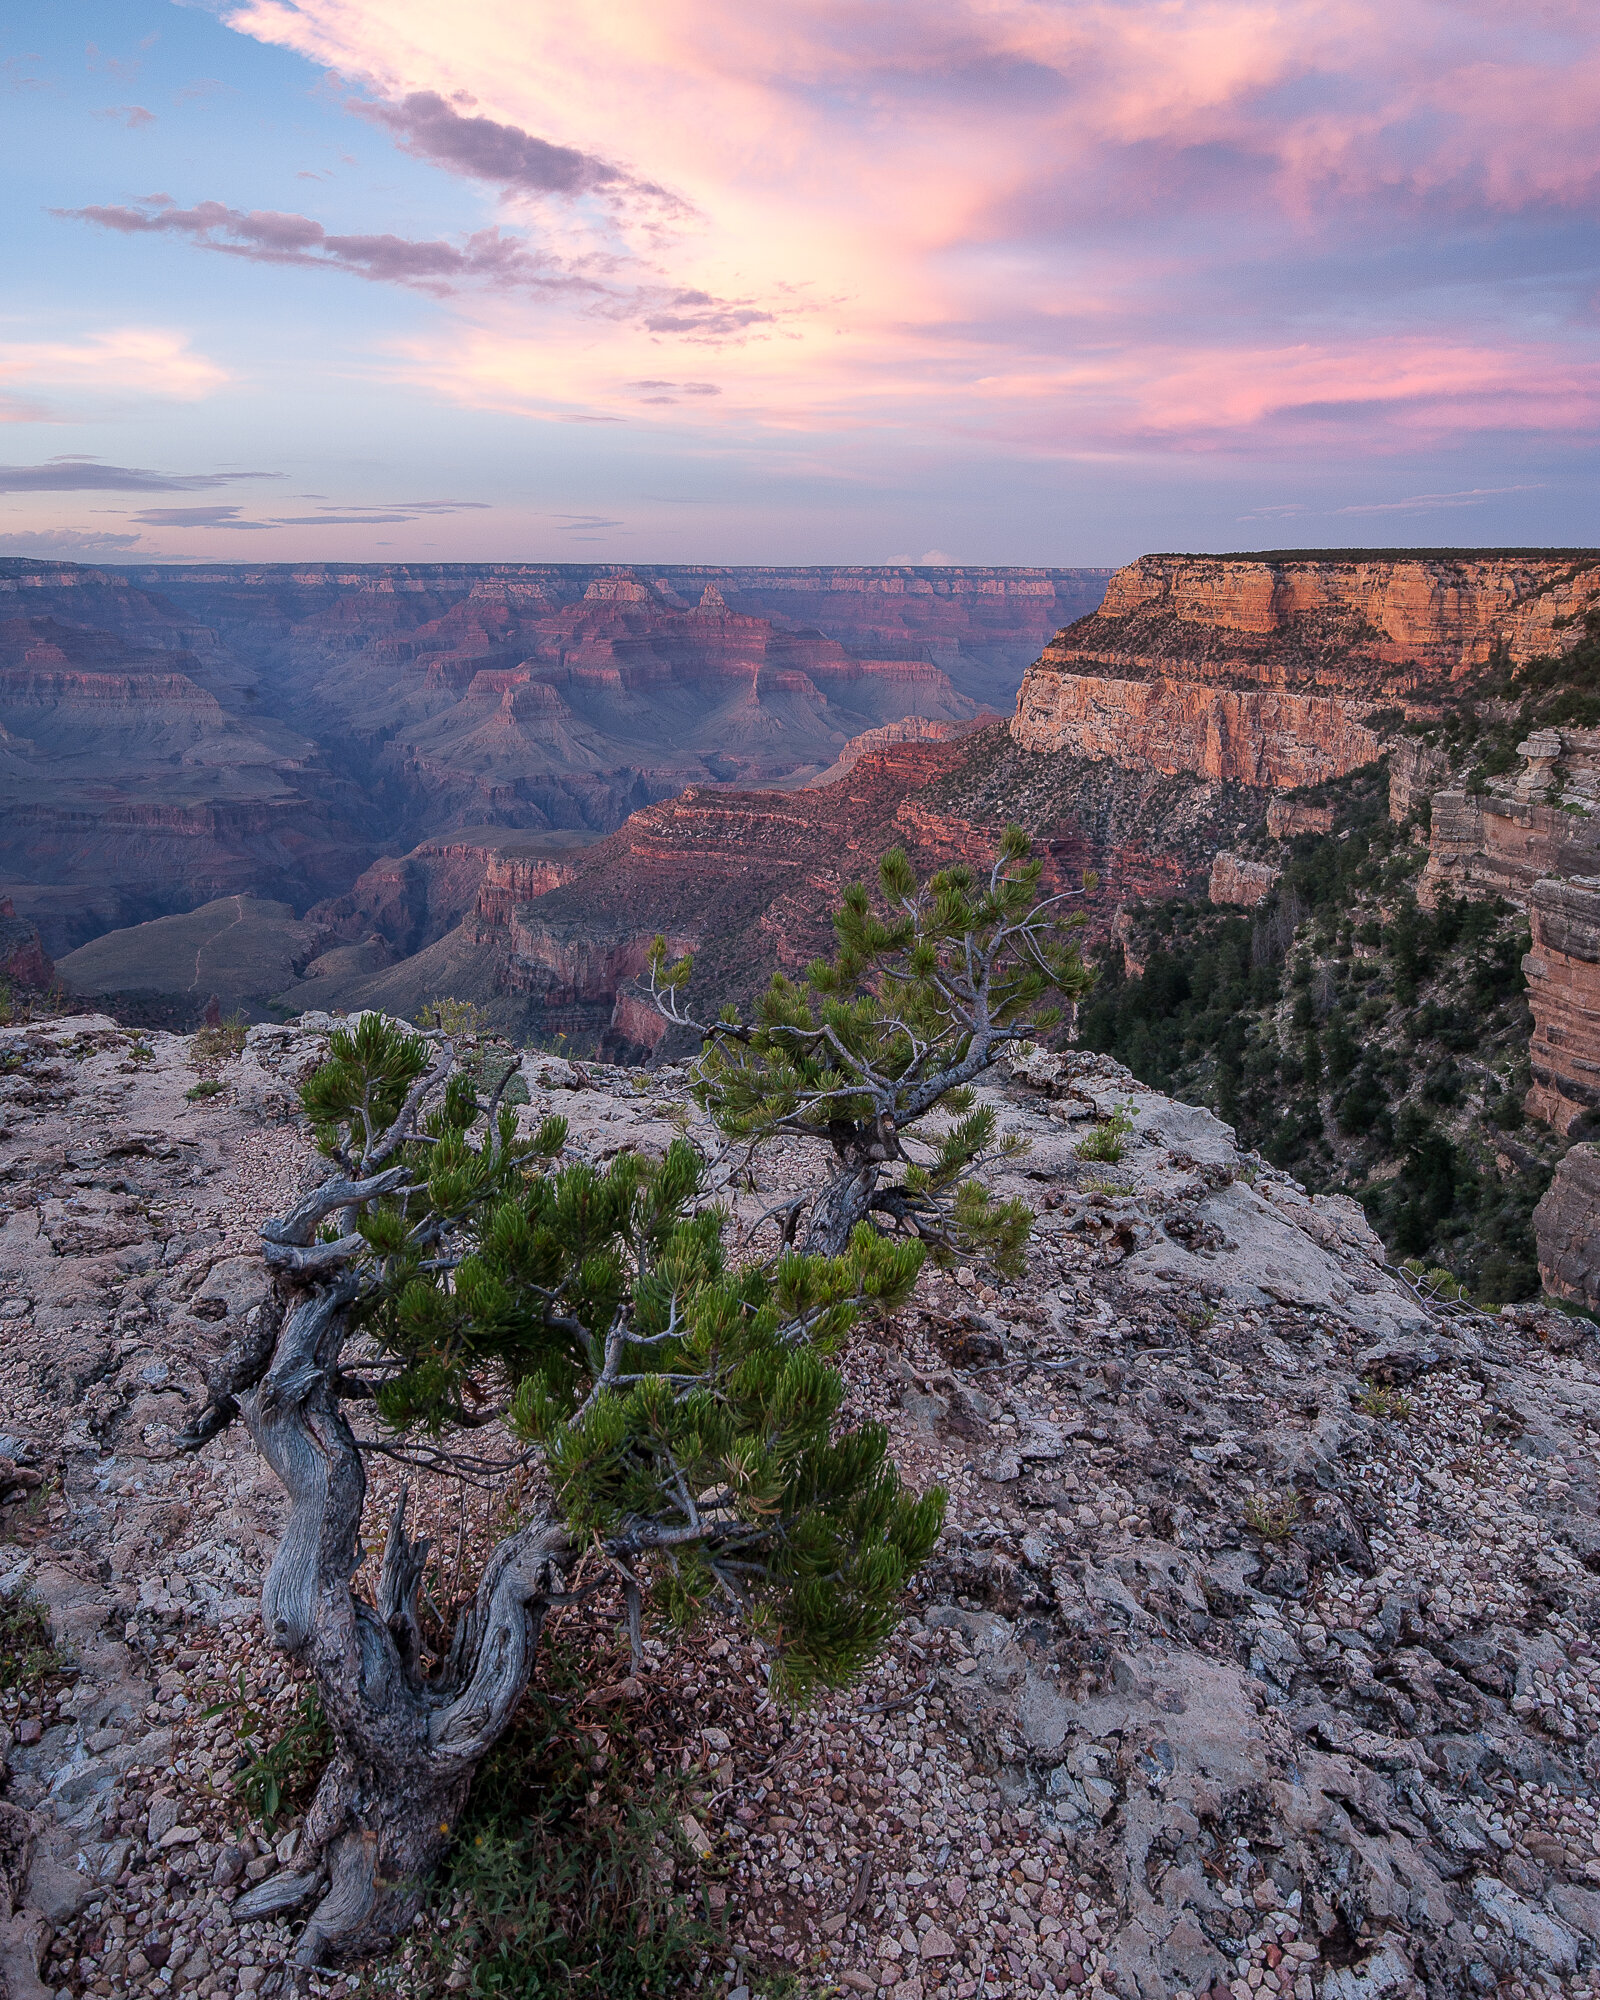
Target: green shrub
x,y
1109,1139
1273,1517
27,1652
217,1044
565,1863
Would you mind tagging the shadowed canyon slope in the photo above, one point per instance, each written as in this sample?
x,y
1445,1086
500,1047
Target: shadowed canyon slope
x,y
169,736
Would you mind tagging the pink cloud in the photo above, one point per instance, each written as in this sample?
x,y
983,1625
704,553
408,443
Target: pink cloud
x,y
1081,225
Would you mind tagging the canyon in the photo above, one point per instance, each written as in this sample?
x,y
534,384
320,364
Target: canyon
x,y
1238,684
1174,742
171,736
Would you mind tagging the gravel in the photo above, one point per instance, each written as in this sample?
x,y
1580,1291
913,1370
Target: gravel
x,y
1259,1656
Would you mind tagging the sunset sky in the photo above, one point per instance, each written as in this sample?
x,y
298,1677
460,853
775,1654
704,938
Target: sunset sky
x,y
990,281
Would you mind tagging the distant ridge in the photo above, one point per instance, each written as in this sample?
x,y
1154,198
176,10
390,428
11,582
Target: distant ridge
x,y
1371,555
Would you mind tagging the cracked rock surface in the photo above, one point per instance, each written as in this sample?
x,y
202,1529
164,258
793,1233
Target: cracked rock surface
x,y
1259,1654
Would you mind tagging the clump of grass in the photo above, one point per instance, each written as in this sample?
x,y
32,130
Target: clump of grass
x,y
221,1041
1107,1184
1109,1139
273,1782
1273,1517
1378,1400
28,1654
562,1886
140,1051
209,1086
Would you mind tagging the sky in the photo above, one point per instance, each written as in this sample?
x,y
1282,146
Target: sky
x,y
977,281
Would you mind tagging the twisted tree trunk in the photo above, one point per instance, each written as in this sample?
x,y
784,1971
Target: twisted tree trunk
x,y
840,1206
405,1747
863,1152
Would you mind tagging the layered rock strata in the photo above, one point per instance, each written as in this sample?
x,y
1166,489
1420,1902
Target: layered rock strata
x,y
1563,972
1238,880
1278,671
747,880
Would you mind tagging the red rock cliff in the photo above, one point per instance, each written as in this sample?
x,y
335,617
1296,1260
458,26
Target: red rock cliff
x,y
1269,671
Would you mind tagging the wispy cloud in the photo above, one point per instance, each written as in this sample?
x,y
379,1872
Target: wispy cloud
x,y
270,236
1428,503
492,260
195,517
130,360
87,475
68,544
487,150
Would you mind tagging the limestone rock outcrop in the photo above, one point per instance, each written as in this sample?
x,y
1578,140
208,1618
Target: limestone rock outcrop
x,y
1287,816
1492,844
1236,879
1565,1227
1279,671
1563,972
1217,1681
1416,771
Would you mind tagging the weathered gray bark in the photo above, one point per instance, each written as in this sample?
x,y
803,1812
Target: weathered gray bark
x,y
405,1747
841,1205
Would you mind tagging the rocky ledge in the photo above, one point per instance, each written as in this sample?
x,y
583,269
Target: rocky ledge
x,y
1258,1656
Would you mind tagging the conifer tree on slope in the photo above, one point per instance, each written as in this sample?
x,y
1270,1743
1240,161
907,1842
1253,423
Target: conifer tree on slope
x,y
452,1271
914,1007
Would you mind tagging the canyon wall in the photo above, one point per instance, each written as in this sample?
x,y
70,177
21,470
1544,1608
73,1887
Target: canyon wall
x,y
1563,971
1282,671
1237,736
747,881
172,734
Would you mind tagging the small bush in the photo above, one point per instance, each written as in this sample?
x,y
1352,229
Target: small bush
x,y
1273,1519
461,1020
27,1652
218,1044
1109,1139
272,1784
210,1086
1377,1400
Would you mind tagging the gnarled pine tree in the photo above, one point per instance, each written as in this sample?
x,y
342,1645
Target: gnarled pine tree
x,y
684,1409
916,1004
